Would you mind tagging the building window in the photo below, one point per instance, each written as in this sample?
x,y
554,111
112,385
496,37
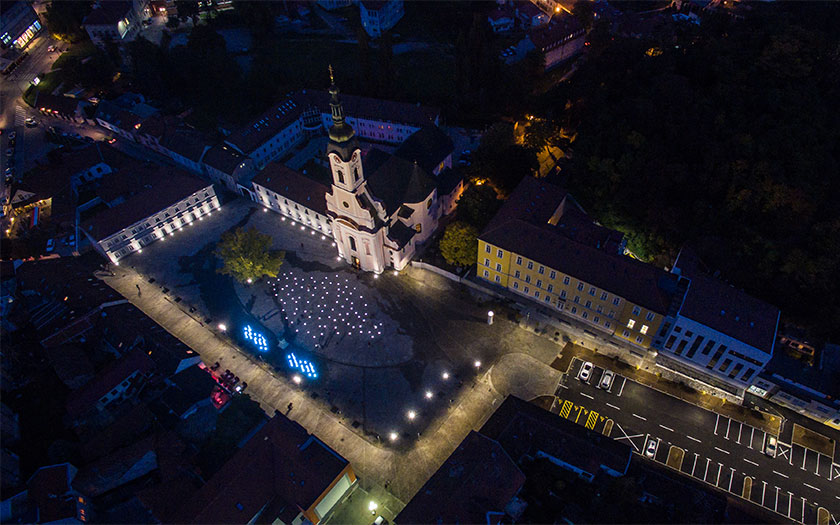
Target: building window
x,y
498,279
649,316
574,309
562,294
596,319
527,278
616,301
631,323
589,304
515,285
577,299
486,273
643,329
486,262
636,310
606,324
519,261
626,333
547,298
340,177
525,289
580,287
537,295
499,253
550,288
748,374
487,248
552,275
352,243
516,274
541,271
603,296
725,364
539,283
498,267
566,280
639,339
530,265
592,291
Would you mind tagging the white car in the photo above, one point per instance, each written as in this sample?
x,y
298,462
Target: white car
x,y
650,451
606,379
585,372
30,122
770,446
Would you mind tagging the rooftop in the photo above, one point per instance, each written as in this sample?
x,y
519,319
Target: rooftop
x,y
108,13
428,146
281,466
396,181
554,33
293,185
525,429
224,158
111,376
477,478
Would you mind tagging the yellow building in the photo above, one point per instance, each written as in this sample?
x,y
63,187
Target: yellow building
x,y
543,246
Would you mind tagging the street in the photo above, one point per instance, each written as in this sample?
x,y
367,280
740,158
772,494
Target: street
x,y
715,449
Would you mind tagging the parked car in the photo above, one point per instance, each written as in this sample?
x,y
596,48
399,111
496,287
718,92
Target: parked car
x,y
111,140
10,152
51,49
585,372
12,135
50,245
30,122
607,379
770,446
650,451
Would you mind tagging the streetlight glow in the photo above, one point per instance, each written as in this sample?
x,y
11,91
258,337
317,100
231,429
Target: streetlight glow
x,y
222,327
411,415
429,394
477,363
297,379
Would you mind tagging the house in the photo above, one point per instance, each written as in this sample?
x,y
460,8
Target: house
x,y
542,246
379,16
63,107
526,430
124,115
70,364
716,332
49,498
18,24
558,41
116,21
501,19
117,382
529,15
184,145
188,391
474,485
145,205
282,474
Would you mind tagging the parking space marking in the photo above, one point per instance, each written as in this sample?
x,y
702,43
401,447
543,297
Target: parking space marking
x,y
620,390
706,473
728,424
584,394
717,420
804,458
613,406
751,462
763,490
717,478
731,478
817,470
591,420
693,438
567,407
696,455
607,430
640,417
802,520
780,474
746,490
740,428
628,438
790,501
752,433
783,452
666,428
835,472
811,487
776,505
721,450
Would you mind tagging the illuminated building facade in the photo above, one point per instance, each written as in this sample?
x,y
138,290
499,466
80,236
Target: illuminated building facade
x,y
117,21
18,24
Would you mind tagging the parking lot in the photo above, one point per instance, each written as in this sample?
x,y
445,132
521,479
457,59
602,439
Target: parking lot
x,y
789,479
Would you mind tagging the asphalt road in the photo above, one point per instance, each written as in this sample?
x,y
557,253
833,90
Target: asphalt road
x,y
705,445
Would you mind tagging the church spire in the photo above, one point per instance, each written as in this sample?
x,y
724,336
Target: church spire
x,y
340,131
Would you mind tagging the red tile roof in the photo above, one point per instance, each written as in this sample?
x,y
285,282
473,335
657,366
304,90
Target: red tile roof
x,y
112,375
282,466
561,26
294,186
477,478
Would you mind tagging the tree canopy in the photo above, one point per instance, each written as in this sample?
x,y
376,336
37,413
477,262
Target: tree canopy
x,y
247,256
729,140
459,244
478,204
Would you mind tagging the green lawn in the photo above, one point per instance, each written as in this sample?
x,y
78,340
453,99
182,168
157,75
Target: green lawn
x,y
81,50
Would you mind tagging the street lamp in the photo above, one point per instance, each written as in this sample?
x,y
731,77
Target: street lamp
x,y
411,415
490,316
392,436
429,394
445,375
297,379
372,506
477,363
222,327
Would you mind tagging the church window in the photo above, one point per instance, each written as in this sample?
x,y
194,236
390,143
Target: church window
x,y
346,205
355,174
428,204
340,176
367,249
352,243
418,227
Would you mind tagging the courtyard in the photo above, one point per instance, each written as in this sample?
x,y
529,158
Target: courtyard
x,y
385,354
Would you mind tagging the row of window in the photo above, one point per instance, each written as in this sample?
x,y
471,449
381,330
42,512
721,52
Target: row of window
x,y
720,352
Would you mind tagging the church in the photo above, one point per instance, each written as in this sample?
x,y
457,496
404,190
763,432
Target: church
x,y
379,207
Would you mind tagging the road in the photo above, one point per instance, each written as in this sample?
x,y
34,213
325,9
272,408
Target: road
x,y
708,446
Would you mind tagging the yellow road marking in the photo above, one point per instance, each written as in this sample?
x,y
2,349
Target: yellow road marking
x,y
675,457
745,492
580,411
567,407
823,516
607,430
591,420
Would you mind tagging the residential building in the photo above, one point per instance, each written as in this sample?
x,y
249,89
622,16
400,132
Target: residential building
x,y
561,39
63,107
282,474
330,5
529,15
715,332
474,485
187,392
145,205
124,115
295,196
527,431
18,24
379,16
542,245
49,498
116,21
501,19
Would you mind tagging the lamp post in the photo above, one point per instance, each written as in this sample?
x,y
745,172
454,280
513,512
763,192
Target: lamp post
x,y
490,316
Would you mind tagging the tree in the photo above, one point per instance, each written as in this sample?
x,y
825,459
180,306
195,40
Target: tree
x,y
478,204
246,255
64,19
459,244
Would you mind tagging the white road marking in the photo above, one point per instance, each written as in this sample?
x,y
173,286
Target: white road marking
x,y
817,470
776,506
803,511
696,455
613,406
804,457
705,474
752,433
561,385
782,475
626,437
731,478
811,487
728,423
790,501
763,489
666,428
584,394
751,462
717,479
693,438
716,423
640,417
620,390
721,450
740,428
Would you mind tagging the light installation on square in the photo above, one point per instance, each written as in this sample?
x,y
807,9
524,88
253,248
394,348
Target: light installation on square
x,y
302,365
256,338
